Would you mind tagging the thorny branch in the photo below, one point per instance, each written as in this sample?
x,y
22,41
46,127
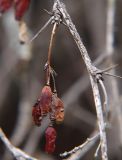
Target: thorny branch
x,y
92,70
59,12
17,153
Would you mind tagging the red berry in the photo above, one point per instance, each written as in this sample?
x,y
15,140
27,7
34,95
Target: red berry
x,y
36,113
46,99
21,7
5,5
57,109
50,139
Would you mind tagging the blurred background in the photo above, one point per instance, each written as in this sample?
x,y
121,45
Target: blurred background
x,y
22,77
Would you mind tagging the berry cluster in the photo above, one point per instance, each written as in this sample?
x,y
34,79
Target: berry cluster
x,y
20,7
48,103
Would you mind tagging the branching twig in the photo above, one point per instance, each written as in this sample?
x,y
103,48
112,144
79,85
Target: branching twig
x,y
79,147
79,154
17,153
92,72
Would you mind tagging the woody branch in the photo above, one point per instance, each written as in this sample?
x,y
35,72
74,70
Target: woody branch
x,y
17,153
92,70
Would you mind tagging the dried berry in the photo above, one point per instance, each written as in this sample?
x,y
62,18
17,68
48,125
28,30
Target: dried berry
x,y
57,109
45,100
59,114
36,113
5,5
50,139
21,7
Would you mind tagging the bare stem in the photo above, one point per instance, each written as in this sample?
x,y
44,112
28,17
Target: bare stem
x,y
80,147
106,108
17,153
109,68
50,51
54,83
100,119
113,75
51,42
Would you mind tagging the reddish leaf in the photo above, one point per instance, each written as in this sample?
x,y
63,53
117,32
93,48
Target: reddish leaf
x,y
5,5
50,139
21,7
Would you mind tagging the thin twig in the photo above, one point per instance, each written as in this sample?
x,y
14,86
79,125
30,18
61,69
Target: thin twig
x,y
100,119
17,153
113,75
106,107
79,147
51,42
50,51
54,83
97,150
79,154
109,68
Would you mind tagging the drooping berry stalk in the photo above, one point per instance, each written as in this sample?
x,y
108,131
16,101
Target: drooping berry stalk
x,y
50,51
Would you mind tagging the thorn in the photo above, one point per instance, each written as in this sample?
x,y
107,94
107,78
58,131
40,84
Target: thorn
x,y
37,34
109,74
48,12
109,68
